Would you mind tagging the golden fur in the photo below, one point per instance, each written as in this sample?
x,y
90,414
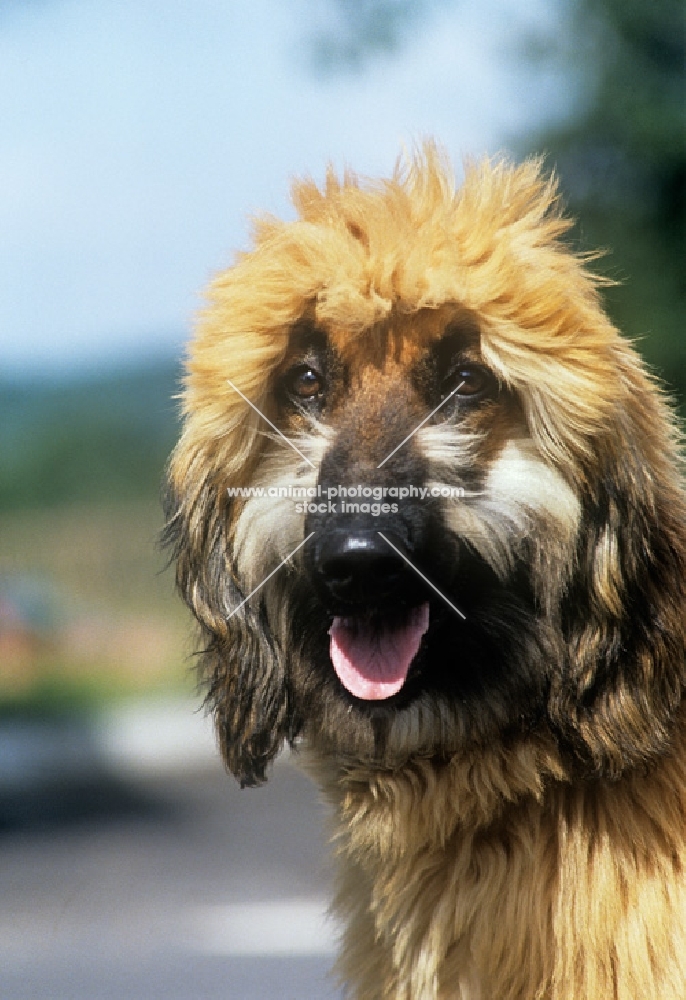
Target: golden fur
x,y
511,825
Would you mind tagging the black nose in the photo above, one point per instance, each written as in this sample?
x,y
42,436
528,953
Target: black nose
x,y
360,568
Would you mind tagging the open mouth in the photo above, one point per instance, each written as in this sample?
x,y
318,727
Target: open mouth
x,y
371,656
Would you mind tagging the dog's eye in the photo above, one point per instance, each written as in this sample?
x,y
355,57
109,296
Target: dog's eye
x,y
467,380
304,382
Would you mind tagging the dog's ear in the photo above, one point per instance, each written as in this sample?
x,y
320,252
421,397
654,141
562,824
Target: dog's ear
x,y
624,615
240,665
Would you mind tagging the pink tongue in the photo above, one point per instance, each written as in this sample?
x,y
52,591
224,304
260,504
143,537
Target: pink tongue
x,y
373,664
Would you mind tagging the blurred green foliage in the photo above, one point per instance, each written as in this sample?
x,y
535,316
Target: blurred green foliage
x,y
622,164
362,29
90,439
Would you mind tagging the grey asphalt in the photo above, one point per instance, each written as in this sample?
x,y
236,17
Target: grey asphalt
x,y
133,868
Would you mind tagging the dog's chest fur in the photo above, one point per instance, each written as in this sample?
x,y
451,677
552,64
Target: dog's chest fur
x,y
496,877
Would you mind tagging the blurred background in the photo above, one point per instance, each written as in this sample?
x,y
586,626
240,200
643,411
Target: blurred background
x,y
137,137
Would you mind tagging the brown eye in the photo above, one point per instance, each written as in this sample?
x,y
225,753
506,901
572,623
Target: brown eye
x,y
467,381
305,382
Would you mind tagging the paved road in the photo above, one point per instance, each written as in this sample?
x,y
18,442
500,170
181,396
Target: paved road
x,y
166,884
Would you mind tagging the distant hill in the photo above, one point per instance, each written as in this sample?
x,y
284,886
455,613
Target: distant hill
x,y
87,439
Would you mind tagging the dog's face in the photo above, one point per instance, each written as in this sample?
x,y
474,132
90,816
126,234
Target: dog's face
x,y
412,619
470,525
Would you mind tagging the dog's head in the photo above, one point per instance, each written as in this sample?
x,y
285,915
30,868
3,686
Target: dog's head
x,y
471,524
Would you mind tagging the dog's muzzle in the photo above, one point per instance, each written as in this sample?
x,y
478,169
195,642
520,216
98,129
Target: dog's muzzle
x,y
377,603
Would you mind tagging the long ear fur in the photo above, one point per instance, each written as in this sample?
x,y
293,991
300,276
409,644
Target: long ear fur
x,y
240,665
624,616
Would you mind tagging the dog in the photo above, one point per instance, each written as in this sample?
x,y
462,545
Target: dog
x,y
427,509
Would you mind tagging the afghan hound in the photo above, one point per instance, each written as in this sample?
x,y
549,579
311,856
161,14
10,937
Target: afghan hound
x,y
427,509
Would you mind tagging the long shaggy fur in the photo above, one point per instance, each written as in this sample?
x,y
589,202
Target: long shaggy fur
x,y
512,824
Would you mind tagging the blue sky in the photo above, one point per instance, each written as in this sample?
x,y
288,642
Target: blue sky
x,y
138,136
